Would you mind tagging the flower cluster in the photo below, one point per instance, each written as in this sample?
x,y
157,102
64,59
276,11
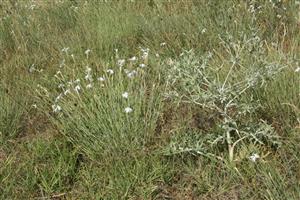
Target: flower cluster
x,y
130,67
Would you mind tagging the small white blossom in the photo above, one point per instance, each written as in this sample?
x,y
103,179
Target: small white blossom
x,y
56,108
88,69
209,55
132,58
144,50
101,79
203,31
87,52
125,95
75,8
142,65
88,77
89,86
170,61
31,7
110,71
121,62
61,85
298,69
77,81
163,44
58,97
65,49
254,157
66,91
131,74
32,68
145,55
77,88
128,110
70,83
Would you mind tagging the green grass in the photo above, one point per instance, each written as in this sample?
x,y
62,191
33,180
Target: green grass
x,y
220,84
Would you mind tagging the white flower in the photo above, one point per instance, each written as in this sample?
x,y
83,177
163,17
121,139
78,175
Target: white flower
x,y
144,50
132,58
298,69
254,157
145,55
65,49
77,81
34,106
209,55
101,79
66,91
110,71
162,44
142,65
121,62
170,61
56,108
32,6
77,88
157,55
70,83
131,74
128,110
203,31
125,95
88,77
87,52
32,68
88,69
61,85
89,86
58,97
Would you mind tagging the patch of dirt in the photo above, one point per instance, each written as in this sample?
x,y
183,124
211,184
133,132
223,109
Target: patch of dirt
x,y
184,115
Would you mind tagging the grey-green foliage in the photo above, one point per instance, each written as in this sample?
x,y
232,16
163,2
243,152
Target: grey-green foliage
x,y
192,79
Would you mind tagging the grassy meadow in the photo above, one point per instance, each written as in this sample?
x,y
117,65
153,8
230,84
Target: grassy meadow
x,y
150,99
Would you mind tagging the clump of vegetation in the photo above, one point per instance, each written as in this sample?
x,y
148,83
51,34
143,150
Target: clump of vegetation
x,y
107,109
195,81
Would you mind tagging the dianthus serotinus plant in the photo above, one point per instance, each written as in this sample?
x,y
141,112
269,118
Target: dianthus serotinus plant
x,y
107,108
